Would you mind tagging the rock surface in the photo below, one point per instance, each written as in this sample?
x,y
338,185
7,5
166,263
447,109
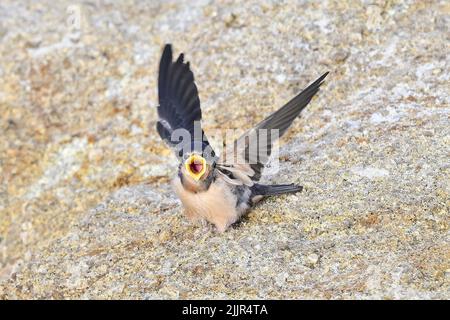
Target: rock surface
x,y
85,206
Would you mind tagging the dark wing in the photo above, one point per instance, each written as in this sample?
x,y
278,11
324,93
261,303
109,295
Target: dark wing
x,y
179,104
252,150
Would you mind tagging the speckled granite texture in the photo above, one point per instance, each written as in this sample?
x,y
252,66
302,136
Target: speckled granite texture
x,y
85,206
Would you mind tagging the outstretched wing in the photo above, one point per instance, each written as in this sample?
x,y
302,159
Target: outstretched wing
x,y
179,104
245,160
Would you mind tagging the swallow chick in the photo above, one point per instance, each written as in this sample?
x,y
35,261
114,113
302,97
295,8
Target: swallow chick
x,y
217,189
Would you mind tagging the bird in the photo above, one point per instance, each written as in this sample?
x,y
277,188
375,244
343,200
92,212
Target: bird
x,y
217,189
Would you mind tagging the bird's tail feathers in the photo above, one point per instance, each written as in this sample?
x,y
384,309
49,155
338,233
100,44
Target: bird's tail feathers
x,y
269,190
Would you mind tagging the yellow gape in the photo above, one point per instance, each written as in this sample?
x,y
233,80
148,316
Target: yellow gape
x,y
196,166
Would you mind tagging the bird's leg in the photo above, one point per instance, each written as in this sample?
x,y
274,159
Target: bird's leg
x,y
206,226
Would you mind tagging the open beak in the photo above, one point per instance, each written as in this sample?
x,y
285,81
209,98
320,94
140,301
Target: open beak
x,y
196,166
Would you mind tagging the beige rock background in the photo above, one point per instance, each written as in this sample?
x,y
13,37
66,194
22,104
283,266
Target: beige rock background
x,y
85,207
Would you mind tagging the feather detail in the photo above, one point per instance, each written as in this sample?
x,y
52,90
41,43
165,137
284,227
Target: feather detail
x,y
238,174
229,180
256,157
179,103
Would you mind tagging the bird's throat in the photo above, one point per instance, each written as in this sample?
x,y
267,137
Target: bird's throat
x,y
195,166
